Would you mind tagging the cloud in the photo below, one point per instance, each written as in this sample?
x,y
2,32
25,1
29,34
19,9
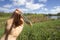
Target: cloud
x,y
4,9
25,9
28,6
43,1
21,2
56,9
18,2
7,6
7,10
34,6
45,9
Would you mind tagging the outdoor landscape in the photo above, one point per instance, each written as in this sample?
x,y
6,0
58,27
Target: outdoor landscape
x,y
43,27
44,15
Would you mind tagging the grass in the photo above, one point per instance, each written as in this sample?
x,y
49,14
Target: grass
x,y
47,30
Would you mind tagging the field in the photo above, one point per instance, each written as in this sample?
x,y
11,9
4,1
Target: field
x,y
41,30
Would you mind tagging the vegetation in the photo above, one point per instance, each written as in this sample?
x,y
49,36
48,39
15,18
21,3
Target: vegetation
x,y
58,14
41,30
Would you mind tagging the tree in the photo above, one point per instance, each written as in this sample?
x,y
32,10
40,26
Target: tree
x,y
58,14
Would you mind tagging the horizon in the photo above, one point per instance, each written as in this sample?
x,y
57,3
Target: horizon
x,y
31,6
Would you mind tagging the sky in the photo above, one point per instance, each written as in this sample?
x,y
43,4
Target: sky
x,y
31,6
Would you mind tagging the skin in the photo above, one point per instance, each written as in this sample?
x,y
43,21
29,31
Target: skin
x,y
14,26
12,29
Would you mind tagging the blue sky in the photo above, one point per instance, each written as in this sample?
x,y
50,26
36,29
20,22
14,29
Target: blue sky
x,y
31,6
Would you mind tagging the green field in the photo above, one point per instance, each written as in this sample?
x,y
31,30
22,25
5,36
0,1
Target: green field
x,y
46,30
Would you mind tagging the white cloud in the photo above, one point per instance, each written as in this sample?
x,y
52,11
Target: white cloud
x,y
28,6
18,2
24,9
7,6
34,6
56,9
7,10
4,9
43,1
45,9
21,2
